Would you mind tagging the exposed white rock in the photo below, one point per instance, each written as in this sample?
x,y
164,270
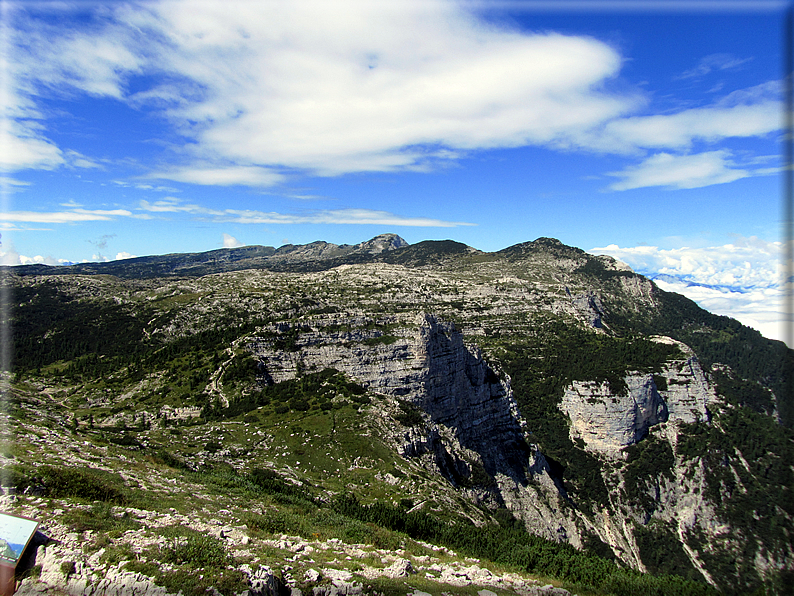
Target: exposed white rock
x,y
607,420
689,393
400,568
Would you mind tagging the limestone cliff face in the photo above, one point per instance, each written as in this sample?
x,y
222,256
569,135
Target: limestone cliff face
x,y
473,419
608,420
688,393
474,434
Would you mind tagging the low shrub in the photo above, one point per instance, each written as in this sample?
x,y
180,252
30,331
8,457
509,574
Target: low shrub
x,y
99,518
82,483
409,415
16,478
277,522
212,446
196,550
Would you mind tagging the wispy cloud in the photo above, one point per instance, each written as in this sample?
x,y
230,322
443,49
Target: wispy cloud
x,y
261,91
743,280
71,216
75,159
222,176
337,216
680,171
174,205
711,63
142,186
23,146
102,243
320,216
751,112
8,184
263,87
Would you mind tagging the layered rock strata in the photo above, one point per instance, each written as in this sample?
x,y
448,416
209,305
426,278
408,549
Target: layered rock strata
x,y
608,420
429,365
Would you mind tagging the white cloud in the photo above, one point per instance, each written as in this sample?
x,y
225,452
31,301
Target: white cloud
x,y
223,176
744,113
322,216
759,308
139,186
709,124
231,242
711,63
174,205
23,140
12,257
96,60
77,160
9,257
262,90
336,216
12,184
680,171
742,280
363,86
71,216
22,146
747,262
328,87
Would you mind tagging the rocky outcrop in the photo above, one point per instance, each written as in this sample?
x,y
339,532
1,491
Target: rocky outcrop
x,y
608,419
380,244
474,435
428,364
589,308
688,392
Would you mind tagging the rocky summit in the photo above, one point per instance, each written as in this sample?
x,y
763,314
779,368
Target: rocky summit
x,y
386,418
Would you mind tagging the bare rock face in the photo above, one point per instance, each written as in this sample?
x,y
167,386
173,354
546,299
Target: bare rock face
x,y
589,308
381,243
688,392
473,417
473,433
460,391
608,420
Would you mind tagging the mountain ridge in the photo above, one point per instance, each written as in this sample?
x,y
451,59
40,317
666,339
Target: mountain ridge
x,y
538,388
221,259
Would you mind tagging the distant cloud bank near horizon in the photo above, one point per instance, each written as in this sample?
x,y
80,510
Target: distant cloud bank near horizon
x,y
742,280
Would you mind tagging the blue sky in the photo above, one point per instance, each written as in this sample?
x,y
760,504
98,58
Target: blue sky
x,y
647,130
